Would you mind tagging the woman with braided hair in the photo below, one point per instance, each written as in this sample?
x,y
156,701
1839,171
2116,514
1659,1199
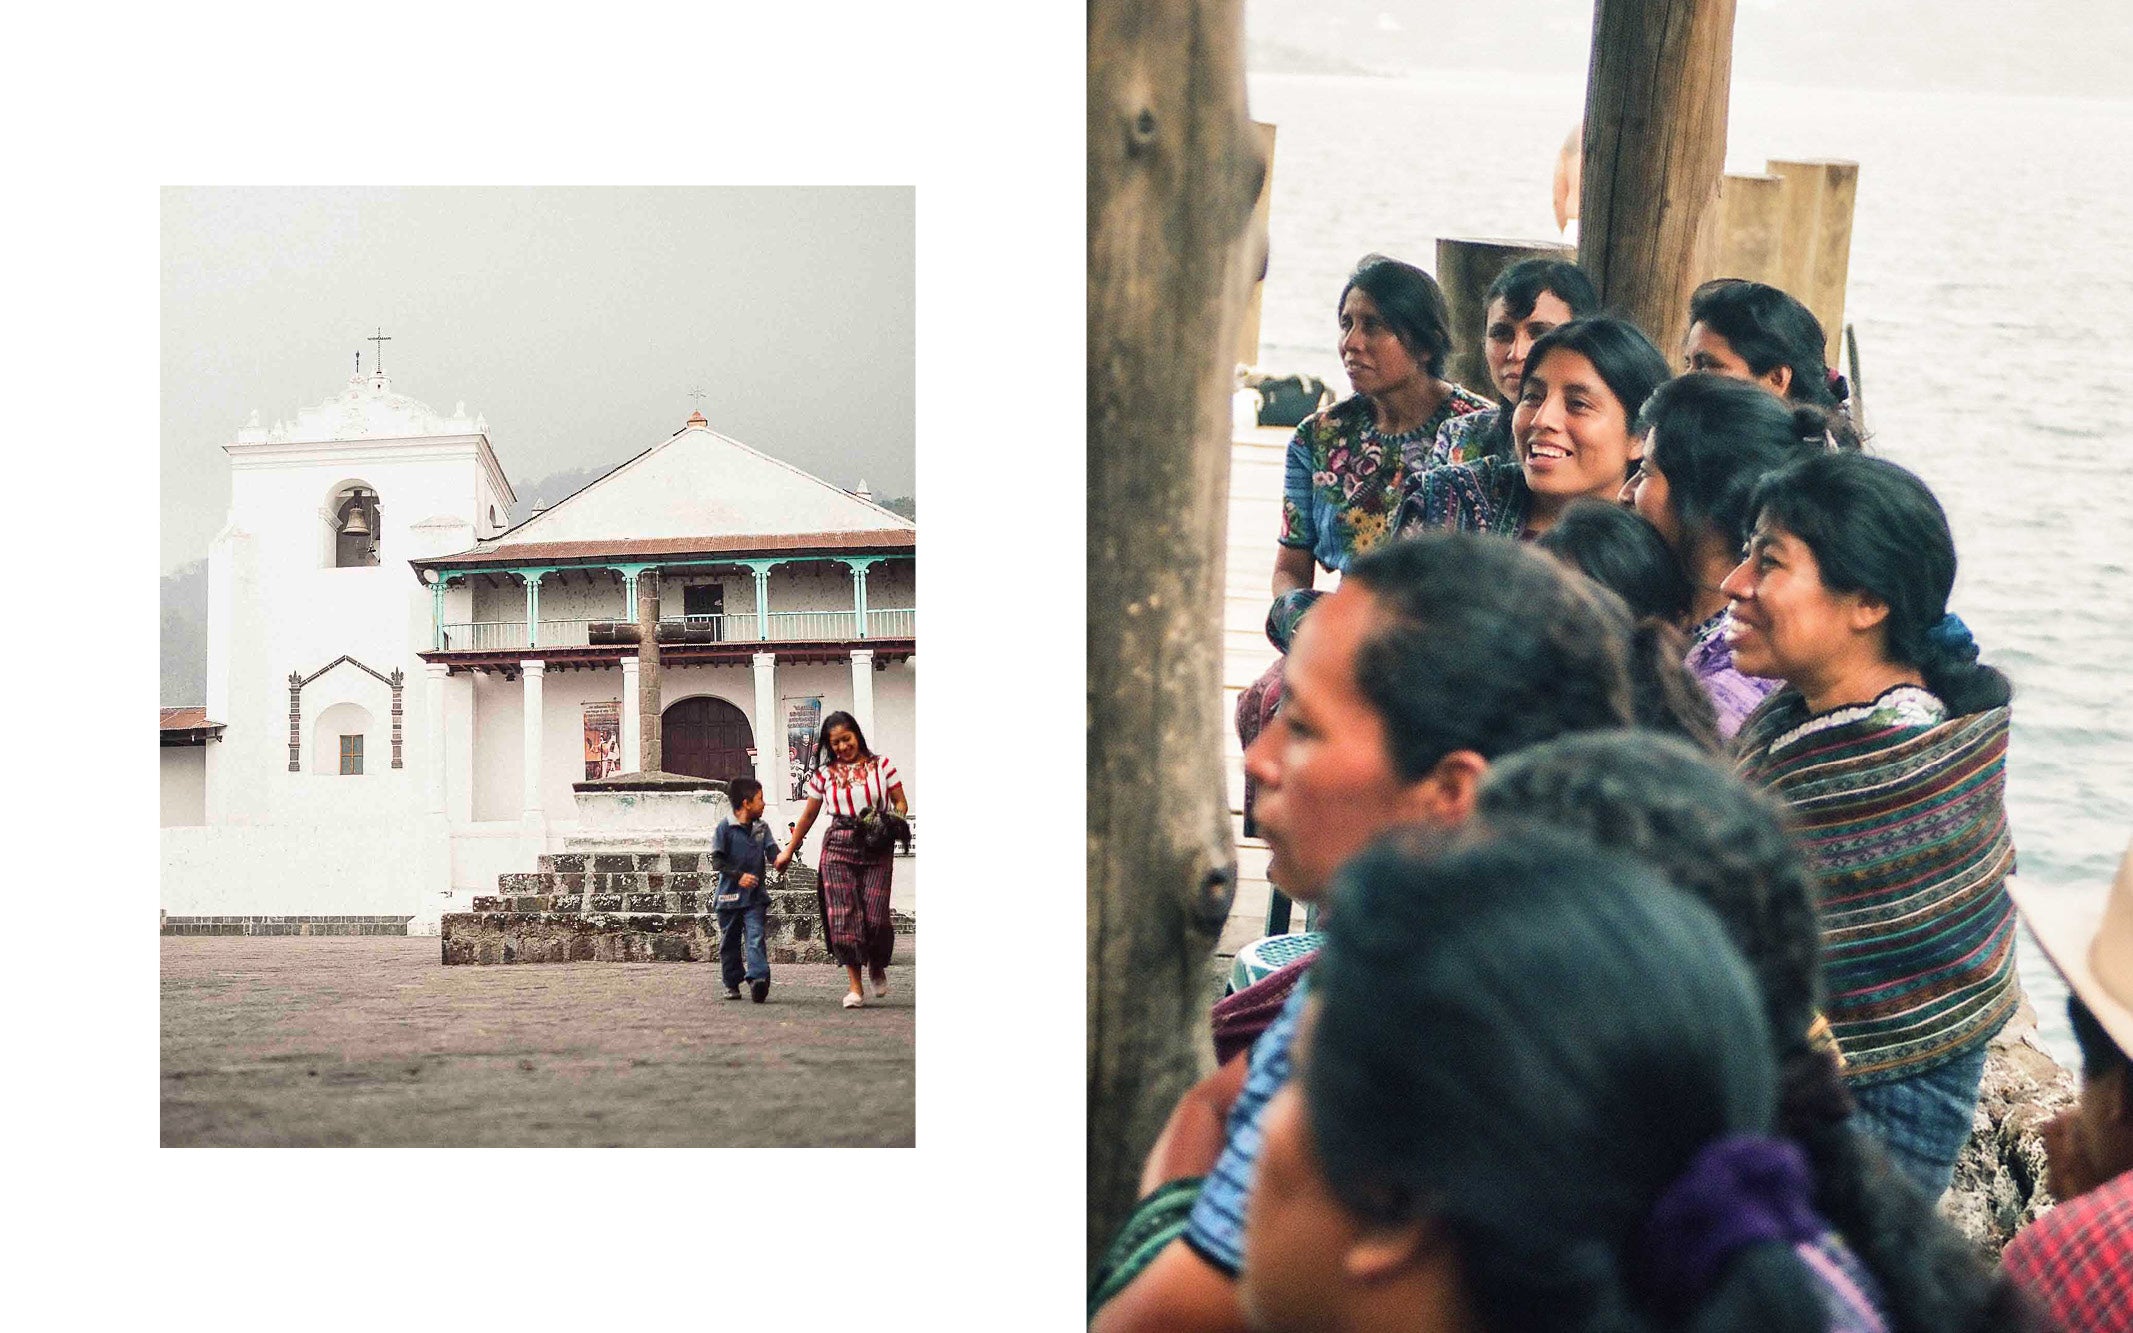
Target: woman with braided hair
x,y
1889,745
1534,1090
1709,833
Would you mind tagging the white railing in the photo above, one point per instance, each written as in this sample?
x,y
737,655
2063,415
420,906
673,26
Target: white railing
x,y
732,627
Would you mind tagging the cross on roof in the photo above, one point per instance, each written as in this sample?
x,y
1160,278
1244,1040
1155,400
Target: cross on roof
x,y
381,339
698,395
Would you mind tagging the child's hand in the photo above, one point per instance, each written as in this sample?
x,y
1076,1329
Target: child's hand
x,y
749,881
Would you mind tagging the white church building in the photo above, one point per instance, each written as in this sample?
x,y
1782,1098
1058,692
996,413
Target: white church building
x,y
401,687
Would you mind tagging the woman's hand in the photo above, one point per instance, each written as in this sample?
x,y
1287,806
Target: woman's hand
x,y
783,858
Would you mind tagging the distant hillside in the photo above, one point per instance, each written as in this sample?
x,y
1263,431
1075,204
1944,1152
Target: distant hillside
x,y
904,506
184,641
2069,48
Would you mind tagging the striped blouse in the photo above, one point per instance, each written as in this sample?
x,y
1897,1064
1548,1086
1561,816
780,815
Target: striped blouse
x,y
848,789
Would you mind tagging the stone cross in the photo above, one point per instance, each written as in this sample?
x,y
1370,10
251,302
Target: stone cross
x,y
648,747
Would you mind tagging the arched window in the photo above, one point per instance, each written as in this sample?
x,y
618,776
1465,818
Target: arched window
x,y
353,514
342,742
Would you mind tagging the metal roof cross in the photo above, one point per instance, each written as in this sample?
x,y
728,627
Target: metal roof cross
x,y
381,339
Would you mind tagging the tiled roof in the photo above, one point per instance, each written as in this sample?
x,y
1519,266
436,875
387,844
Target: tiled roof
x,y
184,719
790,543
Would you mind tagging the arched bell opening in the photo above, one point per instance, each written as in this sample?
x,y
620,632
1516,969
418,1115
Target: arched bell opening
x,y
354,515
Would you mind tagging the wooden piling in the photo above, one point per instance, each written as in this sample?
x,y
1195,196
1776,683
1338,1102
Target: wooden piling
x,y
1751,229
1655,146
1174,166
1262,212
1818,199
1465,268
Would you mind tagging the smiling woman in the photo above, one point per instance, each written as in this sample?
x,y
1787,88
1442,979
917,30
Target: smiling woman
x,y
1582,387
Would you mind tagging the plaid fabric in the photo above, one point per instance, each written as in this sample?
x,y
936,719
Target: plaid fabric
x,y
1157,1220
855,899
2077,1260
1216,1231
1906,825
1239,1019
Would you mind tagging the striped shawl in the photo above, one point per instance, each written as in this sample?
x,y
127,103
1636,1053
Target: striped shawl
x,y
1907,828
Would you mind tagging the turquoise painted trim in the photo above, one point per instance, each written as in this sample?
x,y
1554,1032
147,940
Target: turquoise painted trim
x,y
531,576
859,564
629,575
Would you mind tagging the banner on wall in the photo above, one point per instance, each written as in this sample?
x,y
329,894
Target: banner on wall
x,y
803,720
603,738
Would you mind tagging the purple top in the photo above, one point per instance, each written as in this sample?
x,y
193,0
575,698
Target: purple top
x,y
1733,695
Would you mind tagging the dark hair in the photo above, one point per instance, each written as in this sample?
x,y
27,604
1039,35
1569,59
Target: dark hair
x,y
1767,328
1726,843
740,790
1625,359
1714,438
1495,1027
1411,305
1483,645
823,753
1519,287
1875,528
2099,1054
1622,552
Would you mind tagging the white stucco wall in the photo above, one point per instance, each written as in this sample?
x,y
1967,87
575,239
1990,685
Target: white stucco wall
x,y
332,867
184,785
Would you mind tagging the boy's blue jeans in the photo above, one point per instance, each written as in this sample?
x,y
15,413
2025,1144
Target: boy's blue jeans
x,y
749,935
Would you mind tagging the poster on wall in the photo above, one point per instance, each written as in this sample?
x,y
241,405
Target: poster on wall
x,y
603,738
803,719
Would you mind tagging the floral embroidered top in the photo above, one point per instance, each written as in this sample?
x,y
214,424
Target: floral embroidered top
x,y
1461,440
1488,495
1344,476
1733,694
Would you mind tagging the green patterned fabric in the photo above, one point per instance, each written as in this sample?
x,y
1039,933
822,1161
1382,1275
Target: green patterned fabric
x,y
1156,1221
1903,812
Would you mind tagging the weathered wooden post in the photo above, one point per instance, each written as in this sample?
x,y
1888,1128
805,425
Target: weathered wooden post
x,y
1655,146
1248,329
1751,229
1173,169
1465,268
1818,198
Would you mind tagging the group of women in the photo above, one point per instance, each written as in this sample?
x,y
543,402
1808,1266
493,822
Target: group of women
x,y
1612,1028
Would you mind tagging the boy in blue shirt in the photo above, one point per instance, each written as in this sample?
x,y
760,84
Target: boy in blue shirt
x,y
741,849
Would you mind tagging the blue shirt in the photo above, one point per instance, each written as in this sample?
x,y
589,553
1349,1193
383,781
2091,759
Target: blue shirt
x,y
1215,1230
741,849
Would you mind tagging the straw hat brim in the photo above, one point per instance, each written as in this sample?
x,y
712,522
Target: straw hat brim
x,y
2097,968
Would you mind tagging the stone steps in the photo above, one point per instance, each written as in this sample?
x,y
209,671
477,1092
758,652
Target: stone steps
x,y
627,907
284,925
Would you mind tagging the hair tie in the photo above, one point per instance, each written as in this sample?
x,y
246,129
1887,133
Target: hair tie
x,y
1839,388
1287,613
1951,639
1742,1190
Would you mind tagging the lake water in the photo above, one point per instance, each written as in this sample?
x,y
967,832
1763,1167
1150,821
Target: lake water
x,y
1990,276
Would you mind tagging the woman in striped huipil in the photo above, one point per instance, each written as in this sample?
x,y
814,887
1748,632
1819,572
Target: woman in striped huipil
x,y
857,786
1889,743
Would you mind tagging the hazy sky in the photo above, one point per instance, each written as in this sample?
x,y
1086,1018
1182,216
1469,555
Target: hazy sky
x,y
576,320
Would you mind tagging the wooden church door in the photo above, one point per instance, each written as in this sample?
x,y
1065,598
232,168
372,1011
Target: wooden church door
x,y
706,738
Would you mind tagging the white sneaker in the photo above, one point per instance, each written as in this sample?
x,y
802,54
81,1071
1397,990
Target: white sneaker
x,y
852,1000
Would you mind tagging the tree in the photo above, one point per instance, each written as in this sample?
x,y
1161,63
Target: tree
x,y
1173,170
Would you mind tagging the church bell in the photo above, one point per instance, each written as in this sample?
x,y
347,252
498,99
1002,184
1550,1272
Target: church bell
x,y
358,523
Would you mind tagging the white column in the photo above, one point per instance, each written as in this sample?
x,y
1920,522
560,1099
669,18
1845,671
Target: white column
x,y
632,716
863,691
433,736
531,673
770,736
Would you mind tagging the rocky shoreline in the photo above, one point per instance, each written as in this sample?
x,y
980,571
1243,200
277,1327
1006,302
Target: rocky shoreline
x,y
1999,1179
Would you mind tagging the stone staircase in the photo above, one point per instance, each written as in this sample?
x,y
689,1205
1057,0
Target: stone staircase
x,y
628,907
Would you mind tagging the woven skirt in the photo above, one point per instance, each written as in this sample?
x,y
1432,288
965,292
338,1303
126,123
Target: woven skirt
x,y
855,899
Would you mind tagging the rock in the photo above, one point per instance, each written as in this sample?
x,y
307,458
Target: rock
x,y
1999,1178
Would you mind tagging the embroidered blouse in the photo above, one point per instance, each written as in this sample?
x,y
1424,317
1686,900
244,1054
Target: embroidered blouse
x,y
847,789
1344,476
1488,495
1460,440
